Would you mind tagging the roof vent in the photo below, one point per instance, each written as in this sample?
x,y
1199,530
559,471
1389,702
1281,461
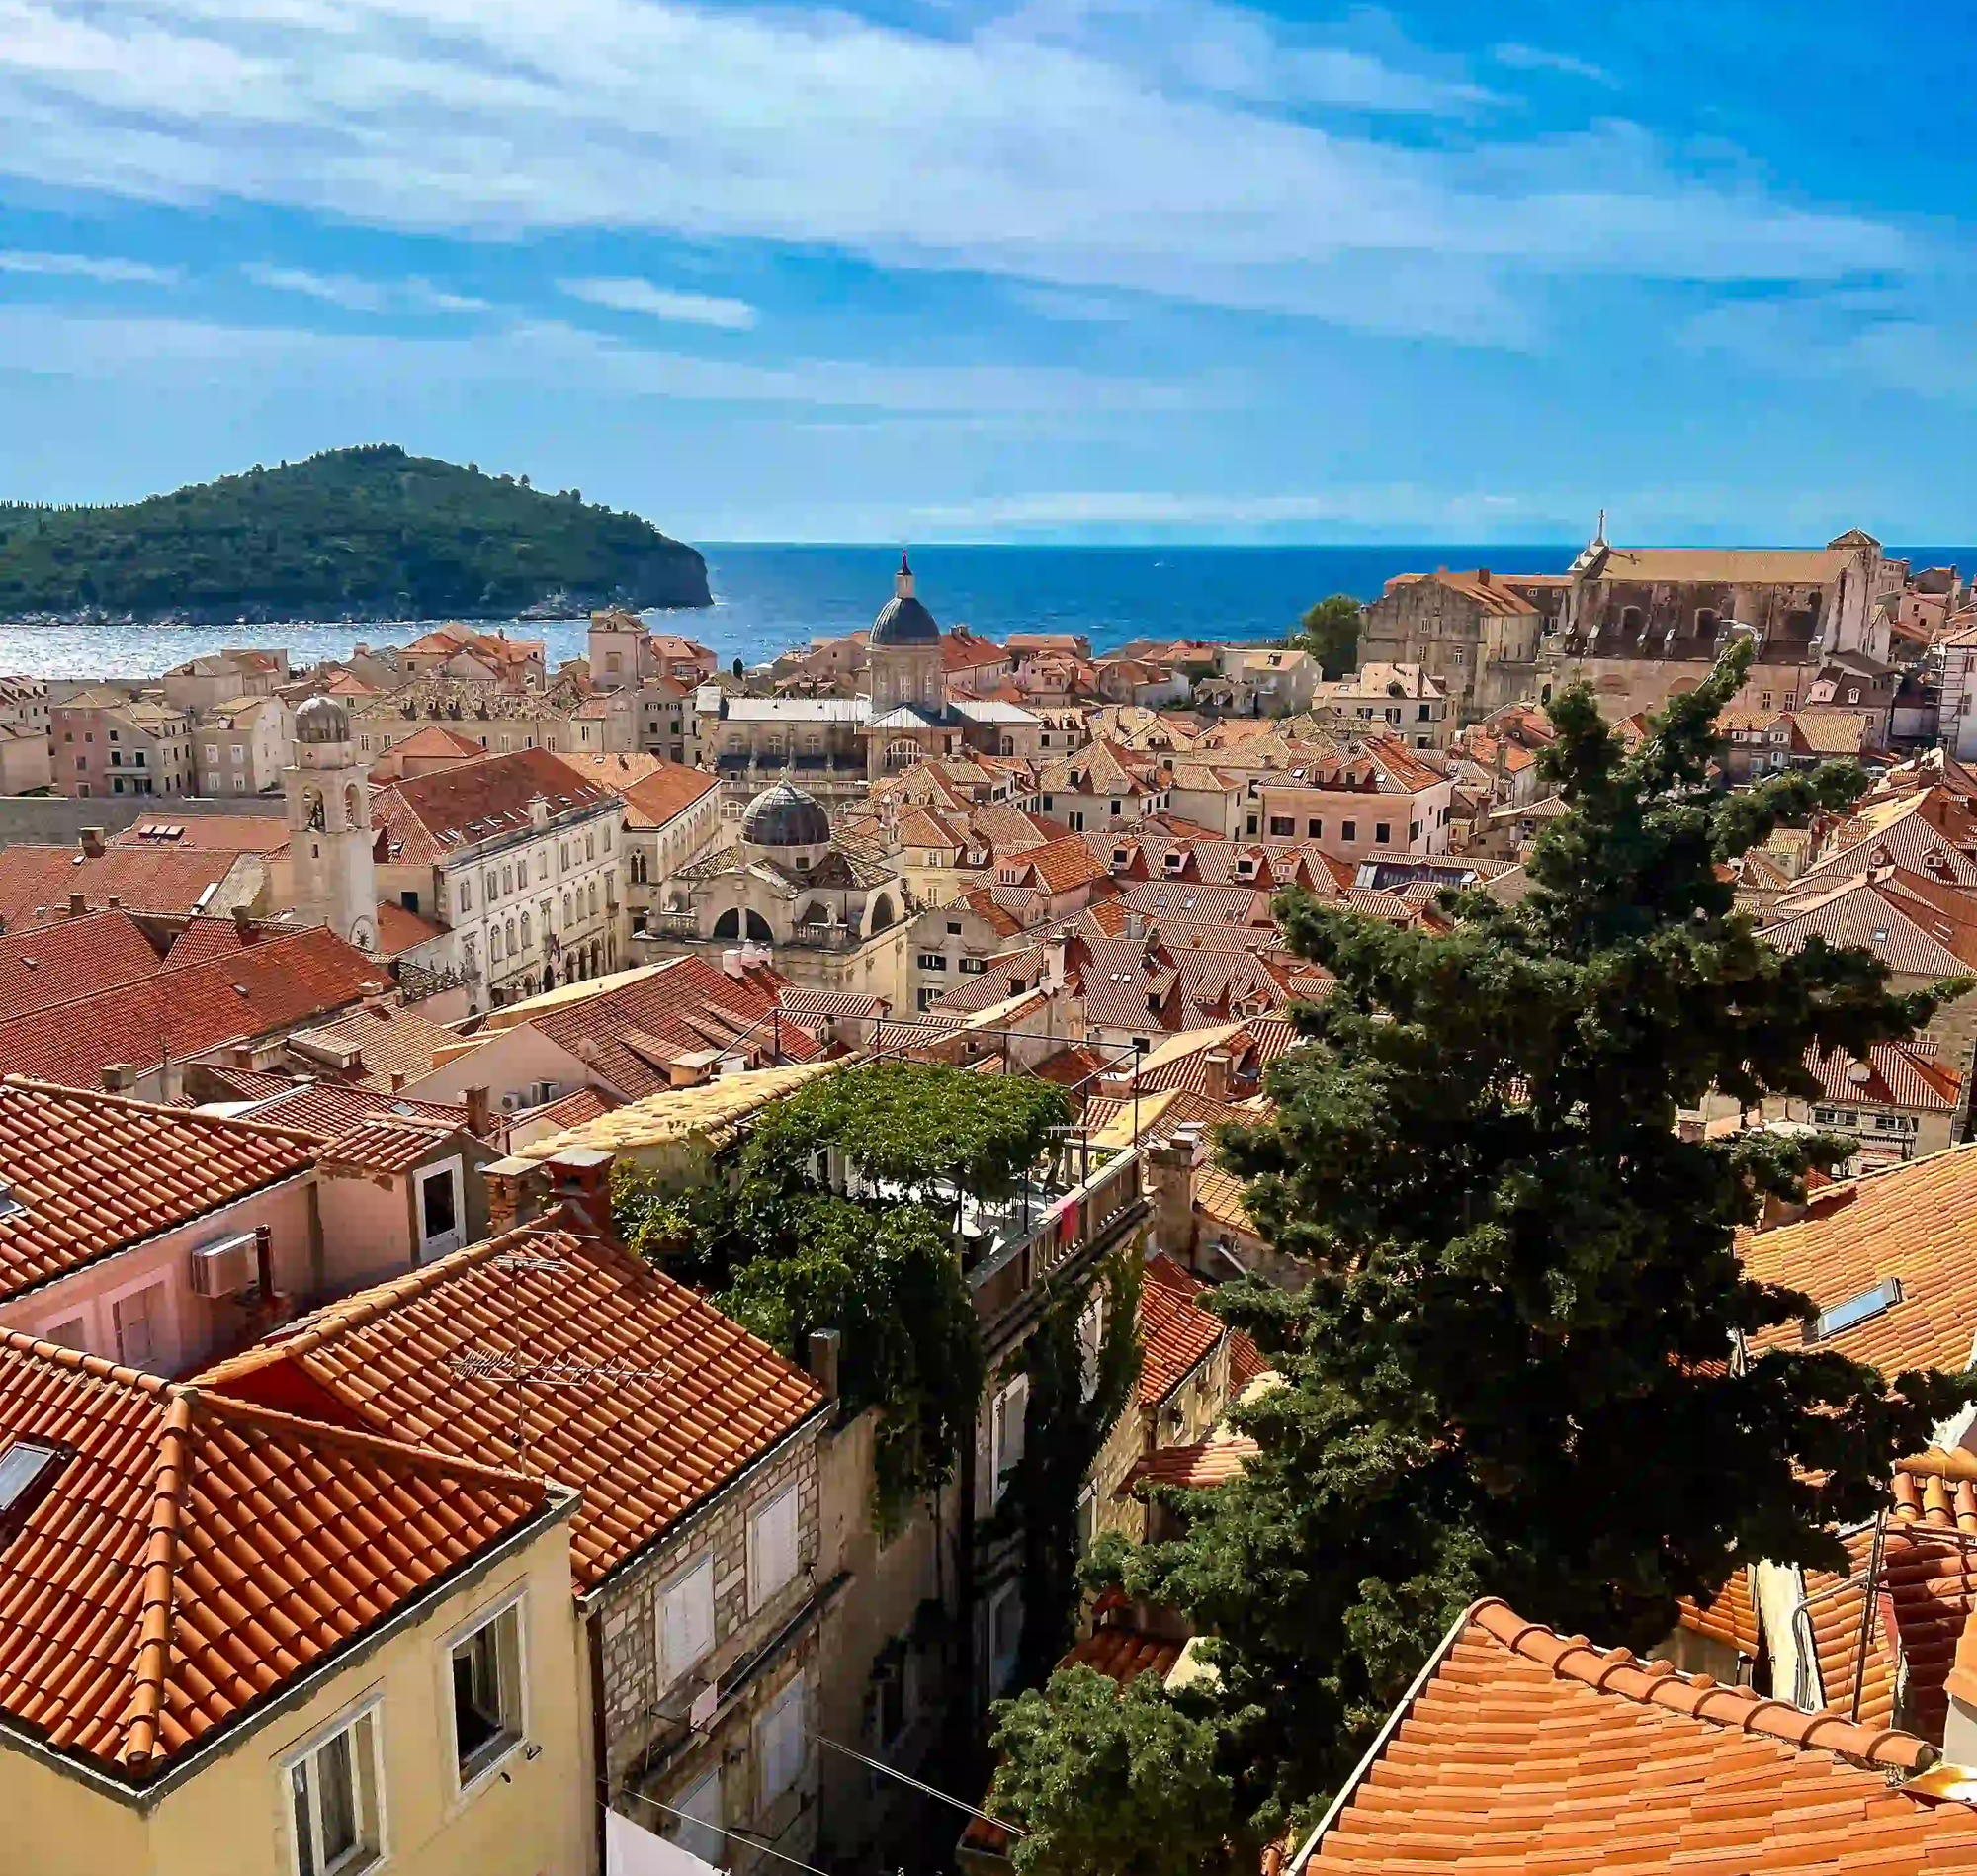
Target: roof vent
x,y
1854,1310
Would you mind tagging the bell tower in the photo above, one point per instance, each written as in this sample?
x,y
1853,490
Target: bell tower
x,y
328,802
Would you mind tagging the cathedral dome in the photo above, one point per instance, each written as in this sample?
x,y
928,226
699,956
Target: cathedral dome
x,y
785,816
903,621
322,720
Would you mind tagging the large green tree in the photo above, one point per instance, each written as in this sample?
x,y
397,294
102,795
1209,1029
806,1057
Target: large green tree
x,y
1511,1371
1329,632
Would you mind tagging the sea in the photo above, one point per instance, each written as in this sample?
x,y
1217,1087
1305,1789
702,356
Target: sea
x,y
770,598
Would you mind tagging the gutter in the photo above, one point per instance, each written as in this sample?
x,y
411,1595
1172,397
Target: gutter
x,y
1381,1741
560,1504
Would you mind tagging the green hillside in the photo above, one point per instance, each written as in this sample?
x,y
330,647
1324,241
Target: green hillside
x,y
364,533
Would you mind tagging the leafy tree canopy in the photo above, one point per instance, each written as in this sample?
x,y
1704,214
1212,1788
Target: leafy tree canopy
x,y
1111,1783
359,533
786,1255
1331,634
1512,1370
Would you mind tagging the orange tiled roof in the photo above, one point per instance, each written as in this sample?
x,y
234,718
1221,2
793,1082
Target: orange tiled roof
x,y
1917,1221
36,882
1527,1751
1732,1618
328,1108
400,930
196,1554
205,833
393,1142
393,1041
95,1172
1207,1462
428,817
1177,1335
653,790
273,986
54,963
643,1447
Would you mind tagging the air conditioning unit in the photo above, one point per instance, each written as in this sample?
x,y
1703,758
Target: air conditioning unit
x,y
224,1268
510,1102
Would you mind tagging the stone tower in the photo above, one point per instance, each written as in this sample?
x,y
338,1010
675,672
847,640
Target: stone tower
x,y
330,820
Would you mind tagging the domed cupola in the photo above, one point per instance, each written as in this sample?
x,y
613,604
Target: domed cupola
x,y
784,817
902,620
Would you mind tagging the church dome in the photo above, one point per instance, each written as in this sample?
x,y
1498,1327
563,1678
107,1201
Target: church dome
x,y
322,720
785,816
904,619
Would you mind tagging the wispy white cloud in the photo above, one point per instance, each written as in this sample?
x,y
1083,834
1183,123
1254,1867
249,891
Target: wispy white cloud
x,y
1519,57
422,294
624,295
1076,150
549,353
333,290
110,270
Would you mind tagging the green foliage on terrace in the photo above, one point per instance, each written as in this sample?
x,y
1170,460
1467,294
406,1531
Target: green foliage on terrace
x,y
785,1255
1509,1374
359,533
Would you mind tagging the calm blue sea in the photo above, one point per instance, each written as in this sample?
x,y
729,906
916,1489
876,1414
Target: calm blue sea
x,y
769,598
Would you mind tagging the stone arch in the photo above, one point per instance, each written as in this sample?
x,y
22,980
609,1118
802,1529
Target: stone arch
x,y
313,815
902,754
758,929
729,925
353,807
882,914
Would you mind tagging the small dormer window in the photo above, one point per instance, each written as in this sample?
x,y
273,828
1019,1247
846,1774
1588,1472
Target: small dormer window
x,y
27,1468
1854,1310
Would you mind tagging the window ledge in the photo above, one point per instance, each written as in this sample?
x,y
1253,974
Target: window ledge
x,y
474,1777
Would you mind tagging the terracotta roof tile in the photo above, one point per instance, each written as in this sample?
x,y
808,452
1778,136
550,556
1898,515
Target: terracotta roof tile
x,y
653,790
391,1041
400,929
54,964
426,818
643,1447
1526,1750
326,1108
1207,1463
205,833
391,1142
152,1597
36,882
92,1174
1176,1334
1916,1222
267,987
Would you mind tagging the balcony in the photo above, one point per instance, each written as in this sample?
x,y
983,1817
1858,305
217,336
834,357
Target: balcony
x,y
1021,1244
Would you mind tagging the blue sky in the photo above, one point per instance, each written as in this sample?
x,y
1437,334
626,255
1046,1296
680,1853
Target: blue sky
x,y
1076,269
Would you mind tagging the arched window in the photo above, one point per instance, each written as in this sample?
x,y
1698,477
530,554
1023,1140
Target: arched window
x,y
882,912
729,925
353,807
528,937
593,899
511,937
493,944
565,911
758,929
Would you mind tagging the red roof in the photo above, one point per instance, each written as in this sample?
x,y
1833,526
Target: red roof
x,y
193,1555
93,1173
400,930
1207,1463
36,882
1176,1334
54,963
204,833
428,817
267,987
1526,1750
684,1400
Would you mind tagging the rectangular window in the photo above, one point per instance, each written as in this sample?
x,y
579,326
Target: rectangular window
x,y
1005,1433
140,1325
213,752
486,1669
931,961
1382,833
779,1742
1283,827
686,1620
1314,830
1005,1635
1350,832
972,967
333,1802
772,1546
697,1830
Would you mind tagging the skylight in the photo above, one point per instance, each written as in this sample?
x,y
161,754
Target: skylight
x,y
22,1467
1854,1310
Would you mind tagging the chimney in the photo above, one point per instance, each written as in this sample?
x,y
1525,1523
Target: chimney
x,y
479,1112
243,921
1136,924
1170,1175
580,1182
509,1200
171,1081
1216,1067
731,960
241,1055
91,842
78,904
118,1077
822,1360
1482,576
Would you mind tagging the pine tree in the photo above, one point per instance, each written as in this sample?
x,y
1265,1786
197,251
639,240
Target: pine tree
x,y
1513,1371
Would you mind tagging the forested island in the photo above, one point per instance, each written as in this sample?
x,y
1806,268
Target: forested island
x,y
364,533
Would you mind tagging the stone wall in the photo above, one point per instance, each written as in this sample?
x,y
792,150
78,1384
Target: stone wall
x,y
55,821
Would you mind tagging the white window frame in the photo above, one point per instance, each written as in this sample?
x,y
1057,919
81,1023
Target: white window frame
x,y
679,1829
1002,1461
514,1604
425,1249
678,1584
761,1592
164,1324
367,1711
791,1697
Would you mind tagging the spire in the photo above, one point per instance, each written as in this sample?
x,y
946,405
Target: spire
x,y
1599,533
902,580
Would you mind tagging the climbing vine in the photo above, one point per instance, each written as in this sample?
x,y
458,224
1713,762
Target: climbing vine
x,y
1077,1395
785,1255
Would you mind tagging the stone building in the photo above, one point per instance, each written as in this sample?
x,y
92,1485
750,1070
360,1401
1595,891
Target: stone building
x,y
830,919
107,742
1644,624
1473,633
240,746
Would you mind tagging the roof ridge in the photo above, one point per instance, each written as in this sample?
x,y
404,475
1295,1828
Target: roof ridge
x,y
97,1367
156,1600
272,1130
1659,1683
